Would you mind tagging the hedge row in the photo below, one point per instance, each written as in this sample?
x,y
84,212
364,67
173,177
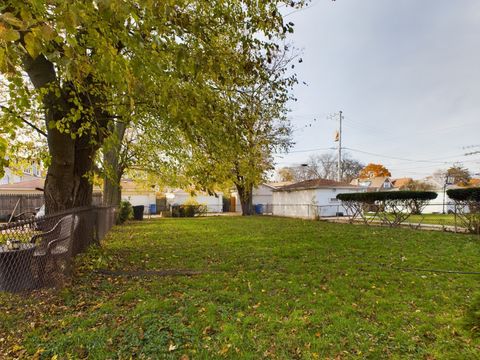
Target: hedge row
x,y
472,194
387,195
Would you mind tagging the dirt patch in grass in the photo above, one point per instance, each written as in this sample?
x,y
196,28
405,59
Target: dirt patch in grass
x,y
139,273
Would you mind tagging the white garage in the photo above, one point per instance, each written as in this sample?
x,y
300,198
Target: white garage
x,y
262,195
136,194
311,198
214,203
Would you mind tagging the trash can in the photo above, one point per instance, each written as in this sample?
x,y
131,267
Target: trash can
x,y
259,209
153,209
138,212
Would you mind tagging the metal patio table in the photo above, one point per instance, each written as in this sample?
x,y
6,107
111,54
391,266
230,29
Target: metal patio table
x,y
16,268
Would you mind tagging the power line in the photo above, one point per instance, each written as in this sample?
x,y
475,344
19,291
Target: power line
x,y
359,125
310,150
439,159
394,157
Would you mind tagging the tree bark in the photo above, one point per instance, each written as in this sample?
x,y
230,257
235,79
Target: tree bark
x,y
245,193
67,184
112,191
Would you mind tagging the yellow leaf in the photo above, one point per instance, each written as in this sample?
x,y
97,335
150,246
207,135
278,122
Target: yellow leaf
x,y
11,19
225,349
8,35
16,348
32,45
38,354
47,32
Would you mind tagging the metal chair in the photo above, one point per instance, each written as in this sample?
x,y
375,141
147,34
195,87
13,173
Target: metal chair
x,y
53,252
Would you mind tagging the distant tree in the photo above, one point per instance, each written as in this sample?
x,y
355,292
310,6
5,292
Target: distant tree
x,y
417,185
374,170
285,174
459,174
324,166
260,112
351,169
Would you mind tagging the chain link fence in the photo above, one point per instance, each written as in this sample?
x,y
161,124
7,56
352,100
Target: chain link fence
x,y
37,252
448,216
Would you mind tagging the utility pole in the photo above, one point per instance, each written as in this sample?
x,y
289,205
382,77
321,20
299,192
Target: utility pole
x,y
339,173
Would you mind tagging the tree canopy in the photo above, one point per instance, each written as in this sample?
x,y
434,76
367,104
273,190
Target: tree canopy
x,y
374,170
459,175
88,64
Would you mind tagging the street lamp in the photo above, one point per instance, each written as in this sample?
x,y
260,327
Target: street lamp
x,y
448,181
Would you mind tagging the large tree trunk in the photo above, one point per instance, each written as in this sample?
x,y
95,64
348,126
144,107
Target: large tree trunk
x,y
112,191
113,167
245,193
67,184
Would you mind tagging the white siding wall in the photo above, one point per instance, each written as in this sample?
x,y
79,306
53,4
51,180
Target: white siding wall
x,y
294,203
144,199
310,203
328,204
436,205
261,195
214,204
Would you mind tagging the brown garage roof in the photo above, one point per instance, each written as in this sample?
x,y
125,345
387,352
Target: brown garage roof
x,y
316,184
401,182
35,184
474,182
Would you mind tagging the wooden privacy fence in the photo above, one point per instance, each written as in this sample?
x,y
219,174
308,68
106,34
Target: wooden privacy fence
x,y
23,203
28,203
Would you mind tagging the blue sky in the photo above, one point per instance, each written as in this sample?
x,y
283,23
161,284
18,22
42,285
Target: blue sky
x,y
406,75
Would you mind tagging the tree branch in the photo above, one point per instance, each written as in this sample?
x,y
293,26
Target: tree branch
x,y
33,126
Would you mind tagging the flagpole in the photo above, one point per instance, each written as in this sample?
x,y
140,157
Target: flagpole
x,y
339,165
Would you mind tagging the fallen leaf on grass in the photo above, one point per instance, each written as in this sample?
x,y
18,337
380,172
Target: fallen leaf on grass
x,y
225,349
208,330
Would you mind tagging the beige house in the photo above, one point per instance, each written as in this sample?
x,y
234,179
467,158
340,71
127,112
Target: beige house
x,y
379,183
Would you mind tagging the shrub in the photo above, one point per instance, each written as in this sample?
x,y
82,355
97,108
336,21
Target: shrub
x,y
390,207
371,197
125,212
467,207
190,208
471,194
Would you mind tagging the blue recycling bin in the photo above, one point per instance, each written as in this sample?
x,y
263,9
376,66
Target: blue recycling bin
x,y
259,209
153,208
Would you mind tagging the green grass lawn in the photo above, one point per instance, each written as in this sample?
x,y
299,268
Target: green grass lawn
x,y
439,219
269,288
